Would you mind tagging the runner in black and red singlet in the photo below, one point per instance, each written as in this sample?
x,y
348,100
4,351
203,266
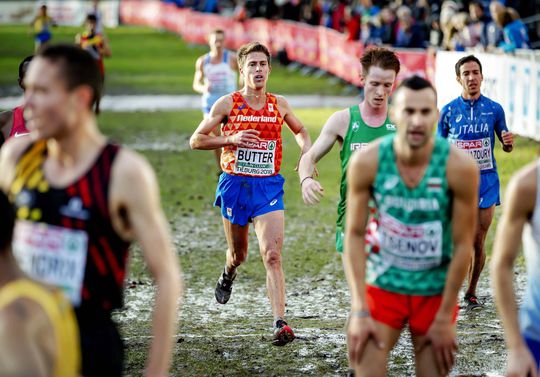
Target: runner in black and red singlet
x,y
80,201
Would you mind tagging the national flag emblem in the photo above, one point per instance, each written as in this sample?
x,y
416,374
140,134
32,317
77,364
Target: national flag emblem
x,y
434,184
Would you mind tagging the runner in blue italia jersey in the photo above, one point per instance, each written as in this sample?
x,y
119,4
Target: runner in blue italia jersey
x,y
471,122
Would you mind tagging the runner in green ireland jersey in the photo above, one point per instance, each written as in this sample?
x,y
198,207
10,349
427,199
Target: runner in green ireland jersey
x,y
353,128
425,192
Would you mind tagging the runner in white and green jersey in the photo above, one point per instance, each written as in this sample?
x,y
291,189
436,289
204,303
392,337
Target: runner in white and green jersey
x,y
353,128
425,192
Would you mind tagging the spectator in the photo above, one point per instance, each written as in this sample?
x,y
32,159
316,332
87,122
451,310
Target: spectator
x,y
494,32
352,20
514,31
479,22
409,34
338,16
448,10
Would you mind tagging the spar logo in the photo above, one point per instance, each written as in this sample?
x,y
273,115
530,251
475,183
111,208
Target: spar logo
x,y
263,144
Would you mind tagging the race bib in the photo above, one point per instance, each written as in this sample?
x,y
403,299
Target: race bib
x,y
258,159
415,247
479,149
52,255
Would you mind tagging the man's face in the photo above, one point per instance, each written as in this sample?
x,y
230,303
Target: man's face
x,y
415,113
475,11
91,26
216,41
378,85
255,70
49,108
470,78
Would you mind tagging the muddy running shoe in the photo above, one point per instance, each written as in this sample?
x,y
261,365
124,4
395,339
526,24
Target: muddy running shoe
x,y
224,287
283,334
472,303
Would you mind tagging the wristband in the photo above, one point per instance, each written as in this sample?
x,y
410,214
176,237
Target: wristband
x,y
360,314
302,181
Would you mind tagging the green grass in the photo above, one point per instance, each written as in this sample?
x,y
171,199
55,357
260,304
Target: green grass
x,y
210,338
144,61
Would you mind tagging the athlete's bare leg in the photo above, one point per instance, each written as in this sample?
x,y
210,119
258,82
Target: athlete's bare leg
x,y
270,229
237,245
374,359
485,217
426,365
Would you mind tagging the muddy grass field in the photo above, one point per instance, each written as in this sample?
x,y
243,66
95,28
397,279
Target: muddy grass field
x,y
234,339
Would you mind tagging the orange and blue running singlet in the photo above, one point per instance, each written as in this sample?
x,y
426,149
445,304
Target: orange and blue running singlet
x,y
260,159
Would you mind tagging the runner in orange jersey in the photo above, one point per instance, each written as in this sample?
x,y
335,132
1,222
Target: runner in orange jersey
x,y
250,187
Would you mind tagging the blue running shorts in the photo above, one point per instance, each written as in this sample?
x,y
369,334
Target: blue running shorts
x,y
243,198
534,347
488,193
43,36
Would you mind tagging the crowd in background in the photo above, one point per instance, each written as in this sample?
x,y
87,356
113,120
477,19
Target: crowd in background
x,y
448,25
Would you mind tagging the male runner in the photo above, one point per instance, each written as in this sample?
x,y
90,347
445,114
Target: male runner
x,y
215,75
425,192
12,121
94,42
38,331
353,128
522,211
251,188
470,122
42,24
80,201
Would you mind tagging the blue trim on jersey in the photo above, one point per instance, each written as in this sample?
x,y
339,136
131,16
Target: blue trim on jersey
x,y
243,198
463,119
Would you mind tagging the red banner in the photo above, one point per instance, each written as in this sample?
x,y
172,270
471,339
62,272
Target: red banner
x,y
313,46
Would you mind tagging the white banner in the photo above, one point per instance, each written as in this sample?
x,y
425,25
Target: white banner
x,y
68,12
512,82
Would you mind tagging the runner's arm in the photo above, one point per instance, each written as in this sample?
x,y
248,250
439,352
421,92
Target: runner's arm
x,y
198,79
505,136
202,138
135,192
360,177
334,129
442,126
519,205
9,154
462,175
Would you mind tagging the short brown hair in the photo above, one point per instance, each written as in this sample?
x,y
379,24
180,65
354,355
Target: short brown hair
x,y
247,49
217,31
379,57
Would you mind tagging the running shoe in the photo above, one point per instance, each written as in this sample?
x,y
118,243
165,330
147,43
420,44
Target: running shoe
x,y
224,287
283,334
472,303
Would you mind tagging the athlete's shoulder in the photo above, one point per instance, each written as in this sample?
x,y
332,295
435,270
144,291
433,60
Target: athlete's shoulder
x,y
366,161
451,106
130,165
340,118
525,180
496,106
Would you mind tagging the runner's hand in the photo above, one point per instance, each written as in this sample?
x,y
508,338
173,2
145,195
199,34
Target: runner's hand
x,y
508,139
244,138
442,337
521,363
359,332
312,191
